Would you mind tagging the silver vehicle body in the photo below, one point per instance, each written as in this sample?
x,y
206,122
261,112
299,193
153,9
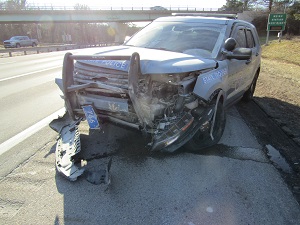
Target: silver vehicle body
x,y
172,80
20,41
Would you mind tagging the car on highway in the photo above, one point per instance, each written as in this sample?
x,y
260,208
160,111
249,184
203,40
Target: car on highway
x,y
158,8
173,81
20,41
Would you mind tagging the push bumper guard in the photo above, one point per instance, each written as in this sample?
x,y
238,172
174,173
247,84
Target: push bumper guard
x,y
69,89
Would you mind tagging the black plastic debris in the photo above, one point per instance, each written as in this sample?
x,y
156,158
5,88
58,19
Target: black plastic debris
x,y
100,176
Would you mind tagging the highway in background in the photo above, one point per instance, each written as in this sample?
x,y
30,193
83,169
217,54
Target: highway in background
x,y
28,92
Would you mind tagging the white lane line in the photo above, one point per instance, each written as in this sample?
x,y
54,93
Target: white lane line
x,y
5,146
26,74
7,62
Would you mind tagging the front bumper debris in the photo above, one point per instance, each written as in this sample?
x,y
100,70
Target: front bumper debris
x,y
68,145
100,176
182,131
67,161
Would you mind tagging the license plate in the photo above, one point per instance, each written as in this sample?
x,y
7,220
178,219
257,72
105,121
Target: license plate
x,y
91,117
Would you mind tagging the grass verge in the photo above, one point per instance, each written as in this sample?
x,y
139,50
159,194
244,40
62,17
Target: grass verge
x,y
278,86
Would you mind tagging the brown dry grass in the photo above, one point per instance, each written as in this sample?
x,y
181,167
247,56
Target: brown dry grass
x,y
278,86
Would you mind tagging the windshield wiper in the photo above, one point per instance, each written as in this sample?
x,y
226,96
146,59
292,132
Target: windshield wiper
x,y
159,48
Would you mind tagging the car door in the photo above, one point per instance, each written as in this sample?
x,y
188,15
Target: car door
x,y
238,70
22,41
253,43
26,41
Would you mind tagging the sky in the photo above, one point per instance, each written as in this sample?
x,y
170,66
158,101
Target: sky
x,y
132,3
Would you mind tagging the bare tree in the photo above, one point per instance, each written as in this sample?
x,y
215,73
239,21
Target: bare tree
x,y
15,4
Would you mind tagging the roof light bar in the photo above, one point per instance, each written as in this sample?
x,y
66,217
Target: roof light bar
x,y
221,15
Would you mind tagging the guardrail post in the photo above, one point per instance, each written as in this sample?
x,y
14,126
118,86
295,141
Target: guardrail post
x,y
25,53
10,55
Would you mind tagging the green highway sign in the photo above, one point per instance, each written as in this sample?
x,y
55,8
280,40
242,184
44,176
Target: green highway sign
x,y
276,22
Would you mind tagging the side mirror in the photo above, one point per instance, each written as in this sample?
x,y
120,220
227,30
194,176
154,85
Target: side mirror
x,y
240,54
236,53
230,44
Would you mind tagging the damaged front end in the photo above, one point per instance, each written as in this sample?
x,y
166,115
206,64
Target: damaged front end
x,y
114,89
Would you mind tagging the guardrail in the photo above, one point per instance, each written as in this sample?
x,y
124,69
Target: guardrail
x,y
53,48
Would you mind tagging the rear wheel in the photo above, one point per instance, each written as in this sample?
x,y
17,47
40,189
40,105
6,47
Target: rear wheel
x,y
248,95
203,140
34,44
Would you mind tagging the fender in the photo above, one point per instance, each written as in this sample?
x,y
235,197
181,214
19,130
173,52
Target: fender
x,y
208,83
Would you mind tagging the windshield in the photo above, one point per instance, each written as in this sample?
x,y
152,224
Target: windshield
x,y
15,38
191,38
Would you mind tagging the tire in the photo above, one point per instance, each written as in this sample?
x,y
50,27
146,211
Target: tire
x,y
18,45
203,140
34,44
248,95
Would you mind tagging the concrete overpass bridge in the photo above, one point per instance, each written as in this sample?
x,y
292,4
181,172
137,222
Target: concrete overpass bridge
x,y
90,16
115,18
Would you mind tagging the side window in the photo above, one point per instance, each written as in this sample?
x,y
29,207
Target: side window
x,y
240,38
250,39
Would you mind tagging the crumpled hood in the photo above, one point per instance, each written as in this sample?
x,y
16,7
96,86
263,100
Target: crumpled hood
x,y
152,61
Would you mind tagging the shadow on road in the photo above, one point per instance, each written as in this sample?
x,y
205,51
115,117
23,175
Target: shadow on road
x,y
129,192
276,123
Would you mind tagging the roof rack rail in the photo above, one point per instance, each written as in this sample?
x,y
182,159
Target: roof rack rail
x,y
221,15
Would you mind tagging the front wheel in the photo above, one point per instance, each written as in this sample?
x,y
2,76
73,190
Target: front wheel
x,y
203,140
248,95
18,45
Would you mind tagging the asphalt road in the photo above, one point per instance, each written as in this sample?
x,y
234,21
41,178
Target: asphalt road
x,y
233,182
27,91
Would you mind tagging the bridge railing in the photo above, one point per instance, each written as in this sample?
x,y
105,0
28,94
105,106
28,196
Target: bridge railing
x,y
171,8
52,48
